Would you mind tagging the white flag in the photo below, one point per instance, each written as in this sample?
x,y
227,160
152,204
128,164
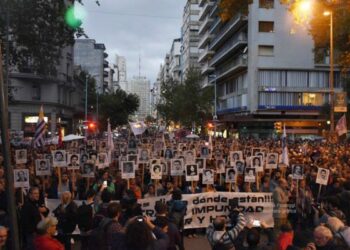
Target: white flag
x,y
341,126
110,143
285,157
138,127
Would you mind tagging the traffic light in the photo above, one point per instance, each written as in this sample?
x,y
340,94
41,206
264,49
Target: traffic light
x,y
210,125
278,127
92,126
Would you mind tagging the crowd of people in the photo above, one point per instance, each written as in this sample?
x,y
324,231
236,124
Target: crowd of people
x,y
99,193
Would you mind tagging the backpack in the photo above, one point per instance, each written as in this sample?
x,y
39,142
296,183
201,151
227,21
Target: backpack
x,y
84,218
224,246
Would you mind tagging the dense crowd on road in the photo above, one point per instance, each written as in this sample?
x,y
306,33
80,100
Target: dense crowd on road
x,y
99,207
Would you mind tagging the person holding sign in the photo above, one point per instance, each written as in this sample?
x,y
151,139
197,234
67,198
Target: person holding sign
x,y
322,176
192,173
176,167
297,172
128,170
249,175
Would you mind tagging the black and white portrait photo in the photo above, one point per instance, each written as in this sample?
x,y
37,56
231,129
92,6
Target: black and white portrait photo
x,y
42,167
21,156
208,177
192,172
201,162
205,153
220,166
271,160
128,170
322,176
156,172
249,175
21,178
73,161
143,156
168,154
59,158
230,175
257,163
176,168
235,156
298,171
88,170
91,144
239,165
102,160
190,156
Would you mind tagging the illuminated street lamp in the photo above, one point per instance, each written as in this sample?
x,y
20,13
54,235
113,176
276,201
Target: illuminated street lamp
x,y
331,73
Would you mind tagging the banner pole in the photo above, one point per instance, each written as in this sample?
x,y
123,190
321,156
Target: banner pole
x,y
319,193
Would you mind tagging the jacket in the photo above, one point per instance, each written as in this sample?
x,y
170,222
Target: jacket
x,y
30,216
45,242
284,240
67,217
222,236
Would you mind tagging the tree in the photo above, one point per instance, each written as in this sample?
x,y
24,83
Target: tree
x,y
117,107
186,103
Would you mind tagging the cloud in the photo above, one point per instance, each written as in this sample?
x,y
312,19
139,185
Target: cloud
x,y
134,28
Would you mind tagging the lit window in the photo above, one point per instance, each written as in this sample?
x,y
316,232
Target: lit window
x,y
266,4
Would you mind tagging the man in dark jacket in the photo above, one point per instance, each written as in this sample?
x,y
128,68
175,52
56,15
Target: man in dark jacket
x,y
31,214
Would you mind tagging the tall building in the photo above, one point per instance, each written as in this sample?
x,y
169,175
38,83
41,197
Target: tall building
x,y
92,58
121,72
164,69
174,60
190,37
141,86
264,69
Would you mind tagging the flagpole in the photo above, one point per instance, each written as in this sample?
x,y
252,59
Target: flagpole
x,y
11,203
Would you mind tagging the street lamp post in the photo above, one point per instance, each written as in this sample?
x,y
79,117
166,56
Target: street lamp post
x,y
331,73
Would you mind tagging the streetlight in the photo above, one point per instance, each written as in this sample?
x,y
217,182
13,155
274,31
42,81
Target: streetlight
x,y
331,73
215,116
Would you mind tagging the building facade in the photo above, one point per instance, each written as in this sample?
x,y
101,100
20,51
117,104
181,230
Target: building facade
x,y
264,69
120,75
141,86
175,71
190,37
91,56
61,96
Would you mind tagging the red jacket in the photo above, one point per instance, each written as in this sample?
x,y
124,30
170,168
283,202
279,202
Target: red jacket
x,y
46,242
284,240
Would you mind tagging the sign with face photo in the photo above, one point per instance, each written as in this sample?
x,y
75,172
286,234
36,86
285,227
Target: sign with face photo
x,y
143,156
190,156
21,156
42,167
230,175
91,144
255,151
103,146
220,166
102,160
84,158
256,162
88,170
322,176
128,170
156,171
218,153
249,175
208,177
158,146
176,168
164,166
205,153
132,144
21,178
73,161
59,158
297,171
239,166
192,172
201,164
271,161
235,156
168,154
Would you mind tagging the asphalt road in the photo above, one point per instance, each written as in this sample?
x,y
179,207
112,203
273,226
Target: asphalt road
x,y
200,243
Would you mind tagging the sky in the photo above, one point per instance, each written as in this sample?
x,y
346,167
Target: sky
x,y
134,28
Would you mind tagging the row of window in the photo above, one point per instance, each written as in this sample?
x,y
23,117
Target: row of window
x,y
292,99
233,102
302,79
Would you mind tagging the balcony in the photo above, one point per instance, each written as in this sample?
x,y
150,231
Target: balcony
x,y
105,64
204,40
227,30
238,64
229,48
216,23
213,10
206,53
105,74
205,25
205,69
205,10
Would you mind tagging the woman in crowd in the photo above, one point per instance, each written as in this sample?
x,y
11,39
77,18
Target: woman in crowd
x,y
46,230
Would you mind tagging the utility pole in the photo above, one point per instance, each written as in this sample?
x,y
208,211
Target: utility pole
x,y
11,203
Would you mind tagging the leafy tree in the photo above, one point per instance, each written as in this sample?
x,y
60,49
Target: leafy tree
x,y
186,103
117,107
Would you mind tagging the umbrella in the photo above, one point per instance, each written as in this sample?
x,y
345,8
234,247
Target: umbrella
x,y
192,136
72,137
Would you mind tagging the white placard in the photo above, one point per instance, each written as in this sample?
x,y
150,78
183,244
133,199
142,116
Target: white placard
x,y
73,161
297,171
128,170
208,177
42,167
271,161
192,173
322,176
230,175
21,156
249,174
176,168
21,178
156,171
256,162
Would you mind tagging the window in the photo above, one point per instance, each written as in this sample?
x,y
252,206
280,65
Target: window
x,y
265,26
36,92
265,50
312,99
266,4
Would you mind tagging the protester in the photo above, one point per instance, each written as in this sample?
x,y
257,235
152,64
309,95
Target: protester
x,y
3,237
46,230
